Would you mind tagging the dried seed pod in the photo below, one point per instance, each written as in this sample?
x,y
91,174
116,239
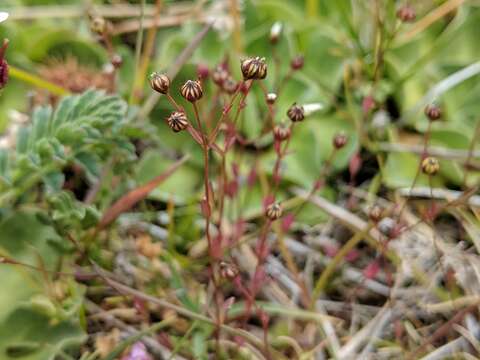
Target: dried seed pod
x,y
219,75
228,270
430,165
296,113
433,112
297,62
116,60
406,13
375,214
177,121
160,82
271,98
281,132
274,211
230,85
275,32
98,25
254,68
202,71
340,140
192,90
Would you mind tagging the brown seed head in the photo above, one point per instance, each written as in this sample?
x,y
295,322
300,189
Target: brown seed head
x,y
254,68
271,98
202,71
192,90
228,270
98,25
340,140
274,211
177,121
296,113
433,112
230,85
160,82
281,132
406,13
219,75
297,62
375,214
116,60
430,165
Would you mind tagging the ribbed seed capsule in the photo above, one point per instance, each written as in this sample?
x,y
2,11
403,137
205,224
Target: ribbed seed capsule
x,y
297,62
296,113
430,165
406,13
274,211
271,98
160,82
219,75
230,85
340,140
192,90
281,132
177,121
254,68
433,112
228,270
375,214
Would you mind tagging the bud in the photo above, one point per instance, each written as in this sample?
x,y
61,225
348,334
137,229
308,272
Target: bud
x,y
219,75
202,71
340,140
98,25
430,165
275,32
274,211
3,65
296,113
433,112
177,121
192,90
228,270
254,68
406,13
271,98
116,61
230,85
297,62
160,82
281,132
375,214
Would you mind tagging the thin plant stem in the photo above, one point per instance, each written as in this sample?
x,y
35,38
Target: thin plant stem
x,y
37,81
138,50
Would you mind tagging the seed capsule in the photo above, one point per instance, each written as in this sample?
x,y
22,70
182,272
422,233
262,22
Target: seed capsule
x,y
430,165
219,75
275,32
340,140
116,60
375,214
160,82
228,270
177,121
230,85
406,13
202,71
281,132
98,25
433,112
296,113
254,68
271,98
274,211
297,62
192,90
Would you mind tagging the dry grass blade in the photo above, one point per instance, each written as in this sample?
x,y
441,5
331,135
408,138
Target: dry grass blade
x,y
130,199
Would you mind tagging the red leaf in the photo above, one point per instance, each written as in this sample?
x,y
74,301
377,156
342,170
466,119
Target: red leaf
x,y
127,201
